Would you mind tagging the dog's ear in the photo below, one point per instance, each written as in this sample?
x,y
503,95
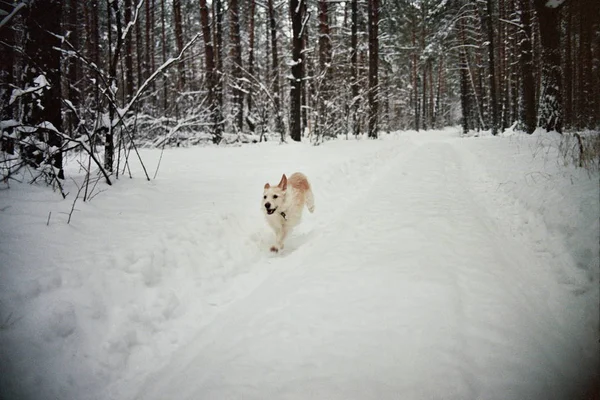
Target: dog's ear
x,y
267,185
283,182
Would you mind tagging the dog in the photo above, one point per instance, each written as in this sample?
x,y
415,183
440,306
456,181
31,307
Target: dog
x,y
283,205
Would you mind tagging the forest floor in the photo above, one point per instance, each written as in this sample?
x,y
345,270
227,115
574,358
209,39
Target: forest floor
x,y
434,267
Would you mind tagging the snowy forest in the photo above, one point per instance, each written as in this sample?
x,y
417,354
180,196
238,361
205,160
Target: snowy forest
x,y
105,77
292,199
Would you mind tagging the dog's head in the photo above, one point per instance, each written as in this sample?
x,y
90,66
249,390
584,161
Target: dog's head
x,y
274,196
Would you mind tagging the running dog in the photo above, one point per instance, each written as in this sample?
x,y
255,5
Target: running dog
x,y
283,205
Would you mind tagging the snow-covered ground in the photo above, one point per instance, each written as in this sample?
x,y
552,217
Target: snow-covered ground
x,y
434,267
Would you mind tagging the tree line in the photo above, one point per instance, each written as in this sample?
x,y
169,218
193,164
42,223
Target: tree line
x,y
105,76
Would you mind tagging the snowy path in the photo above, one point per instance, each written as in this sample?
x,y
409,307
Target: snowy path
x,y
413,291
434,267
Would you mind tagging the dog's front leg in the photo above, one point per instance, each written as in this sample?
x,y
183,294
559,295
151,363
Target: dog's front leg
x,y
280,238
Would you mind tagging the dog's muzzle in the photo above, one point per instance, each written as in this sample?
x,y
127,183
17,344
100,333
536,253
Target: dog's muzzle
x,y
270,211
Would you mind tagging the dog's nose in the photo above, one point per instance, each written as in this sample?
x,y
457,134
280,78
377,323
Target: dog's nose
x,y
267,205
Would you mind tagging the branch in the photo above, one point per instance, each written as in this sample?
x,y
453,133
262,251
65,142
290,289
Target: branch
x,y
133,21
152,77
10,16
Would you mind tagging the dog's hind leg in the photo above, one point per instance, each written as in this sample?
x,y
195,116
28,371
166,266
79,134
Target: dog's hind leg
x,y
310,201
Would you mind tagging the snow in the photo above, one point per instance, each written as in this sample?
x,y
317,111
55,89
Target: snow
x,y
435,266
554,3
40,82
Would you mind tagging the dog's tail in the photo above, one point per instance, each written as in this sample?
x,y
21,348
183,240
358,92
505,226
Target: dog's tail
x,y
310,200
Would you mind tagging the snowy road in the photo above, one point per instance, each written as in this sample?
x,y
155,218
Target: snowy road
x,y
434,267
413,291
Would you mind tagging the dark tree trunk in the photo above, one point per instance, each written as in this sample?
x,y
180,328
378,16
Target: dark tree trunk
x,y
73,66
550,103
218,17
414,73
354,66
43,20
492,66
179,42
251,124
527,113
465,102
296,14
324,63
148,39
373,97
211,73
568,70
275,71
235,51
163,39
128,54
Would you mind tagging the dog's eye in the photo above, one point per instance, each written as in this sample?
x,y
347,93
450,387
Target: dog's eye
x,y
265,196
274,196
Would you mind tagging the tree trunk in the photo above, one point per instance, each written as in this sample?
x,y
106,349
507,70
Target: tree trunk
x,y
73,66
492,67
179,42
373,97
235,52
211,73
324,63
275,71
148,39
43,21
550,103
296,13
354,66
527,113
163,39
218,45
128,54
251,23
414,73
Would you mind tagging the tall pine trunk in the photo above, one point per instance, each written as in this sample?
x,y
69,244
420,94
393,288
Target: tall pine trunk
x,y
527,113
550,102
354,66
296,14
211,73
279,126
492,67
179,42
235,52
43,22
251,23
373,95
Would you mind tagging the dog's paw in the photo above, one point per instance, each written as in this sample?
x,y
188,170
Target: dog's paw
x,y
311,209
274,249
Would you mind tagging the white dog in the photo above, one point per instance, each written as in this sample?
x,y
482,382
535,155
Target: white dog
x,y
283,205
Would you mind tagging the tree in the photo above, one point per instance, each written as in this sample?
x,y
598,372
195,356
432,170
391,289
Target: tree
x,y
527,114
297,16
550,104
275,71
178,40
235,52
251,23
492,66
373,98
43,71
211,72
354,68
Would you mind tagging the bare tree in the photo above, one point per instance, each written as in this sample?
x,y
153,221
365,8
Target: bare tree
x,y
235,52
297,17
373,97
